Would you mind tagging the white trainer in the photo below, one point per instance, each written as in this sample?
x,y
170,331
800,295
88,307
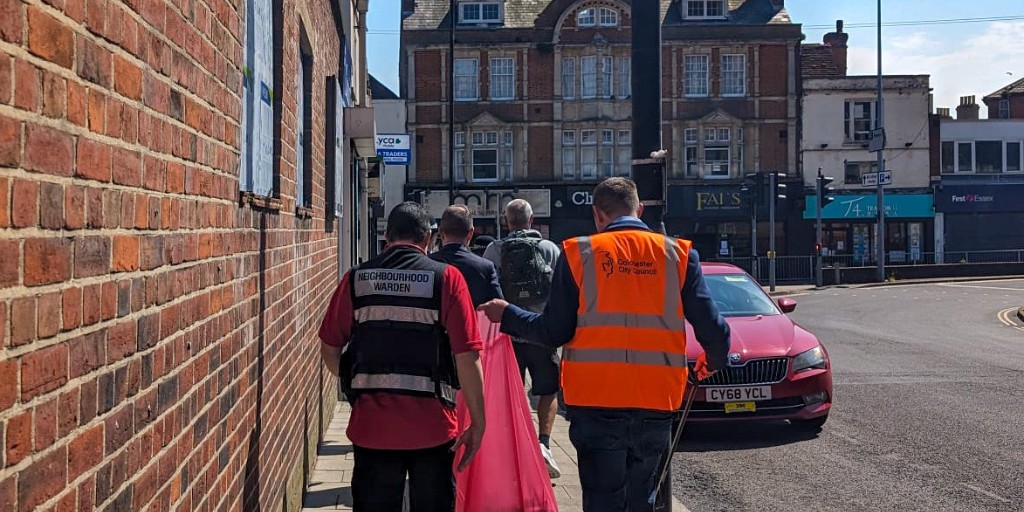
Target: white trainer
x,y
553,470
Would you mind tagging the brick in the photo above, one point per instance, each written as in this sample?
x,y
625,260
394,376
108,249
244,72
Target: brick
x,y
49,38
67,412
151,249
3,337
111,208
87,404
48,150
71,308
10,141
175,178
55,95
127,167
48,315
126,253
47,260
12,20
19,437
92,256
24,204
96,16
91,296
88,353
119,428
26,85
121,341
94,160
51,206
42,480
6,76
148,331
75,9
5,202
87,494
8,384
154,174
76,103
85,451
8,487
23,320
94,207
10,254
97,111
43,371
109,309
44,421
74,207
127,78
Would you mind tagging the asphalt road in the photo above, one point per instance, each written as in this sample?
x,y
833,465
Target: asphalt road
x,y
928,412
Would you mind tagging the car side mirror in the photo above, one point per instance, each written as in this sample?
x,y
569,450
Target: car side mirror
x,y
787,305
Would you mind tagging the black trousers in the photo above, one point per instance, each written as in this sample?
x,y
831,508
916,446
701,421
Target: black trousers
x,y
378,480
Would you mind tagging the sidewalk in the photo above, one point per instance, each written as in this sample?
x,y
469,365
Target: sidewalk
x,y
330,483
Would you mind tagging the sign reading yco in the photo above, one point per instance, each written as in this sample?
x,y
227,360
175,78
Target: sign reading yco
x,y
393,148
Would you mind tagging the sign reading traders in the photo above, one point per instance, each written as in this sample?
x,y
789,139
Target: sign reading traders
x,y
400,283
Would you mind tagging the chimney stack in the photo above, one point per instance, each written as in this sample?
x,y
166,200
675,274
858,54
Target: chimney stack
x,y
943,112
968,109
836,42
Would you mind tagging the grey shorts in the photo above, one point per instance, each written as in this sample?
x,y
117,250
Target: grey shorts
x,y
543,363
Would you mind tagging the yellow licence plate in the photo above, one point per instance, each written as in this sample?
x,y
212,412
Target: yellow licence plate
x,y
732,407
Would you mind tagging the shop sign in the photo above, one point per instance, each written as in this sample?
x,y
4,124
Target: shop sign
x,y
865,207
979,198
393,148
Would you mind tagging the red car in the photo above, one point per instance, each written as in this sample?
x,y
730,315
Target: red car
x,y
777,370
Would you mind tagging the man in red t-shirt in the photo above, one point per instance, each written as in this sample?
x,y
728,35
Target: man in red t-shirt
x,y
390,308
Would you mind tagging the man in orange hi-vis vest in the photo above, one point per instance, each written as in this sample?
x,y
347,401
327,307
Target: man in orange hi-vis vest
x,y
618,303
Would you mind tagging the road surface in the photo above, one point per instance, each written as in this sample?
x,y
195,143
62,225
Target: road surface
x,y
928,414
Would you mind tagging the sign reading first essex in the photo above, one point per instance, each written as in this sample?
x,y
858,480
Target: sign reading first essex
x,y
393,148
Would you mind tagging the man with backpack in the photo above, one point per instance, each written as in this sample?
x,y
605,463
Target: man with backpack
x,y
525,263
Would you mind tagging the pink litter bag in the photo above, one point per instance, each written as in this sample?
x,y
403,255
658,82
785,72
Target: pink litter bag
x,y
508,473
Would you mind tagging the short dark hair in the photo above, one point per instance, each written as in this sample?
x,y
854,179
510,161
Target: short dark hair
x,y
456,221
408,222
617,196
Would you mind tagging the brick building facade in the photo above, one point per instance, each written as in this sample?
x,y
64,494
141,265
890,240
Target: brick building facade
x,y
542,96
169,240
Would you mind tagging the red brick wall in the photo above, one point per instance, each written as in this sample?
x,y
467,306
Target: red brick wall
x,y
428,154
774,62
428,75
1016,107
158,339
774,148
540,165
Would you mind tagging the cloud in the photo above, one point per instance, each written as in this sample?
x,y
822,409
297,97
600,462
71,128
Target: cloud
x,y
975,66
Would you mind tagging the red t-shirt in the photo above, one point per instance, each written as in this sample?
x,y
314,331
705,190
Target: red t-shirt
x,y
387,421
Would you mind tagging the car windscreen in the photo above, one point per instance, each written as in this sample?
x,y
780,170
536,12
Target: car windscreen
x,y
739,295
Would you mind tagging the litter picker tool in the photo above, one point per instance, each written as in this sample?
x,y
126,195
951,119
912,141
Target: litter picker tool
x,y
693,382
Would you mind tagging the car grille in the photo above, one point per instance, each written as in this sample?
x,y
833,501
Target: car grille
x,y
776,407
755,371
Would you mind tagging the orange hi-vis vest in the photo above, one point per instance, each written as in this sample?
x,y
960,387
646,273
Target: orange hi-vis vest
x,y
629,350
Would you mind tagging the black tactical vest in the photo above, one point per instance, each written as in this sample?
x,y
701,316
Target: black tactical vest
x,y
398,343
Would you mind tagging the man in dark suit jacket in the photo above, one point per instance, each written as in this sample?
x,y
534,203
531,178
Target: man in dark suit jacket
x,y
456,230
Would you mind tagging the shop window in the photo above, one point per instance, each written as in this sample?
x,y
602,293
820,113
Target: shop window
x,y
989,156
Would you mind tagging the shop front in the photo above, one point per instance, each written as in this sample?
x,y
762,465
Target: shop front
x,y
850,228
572,212
981,217
488,205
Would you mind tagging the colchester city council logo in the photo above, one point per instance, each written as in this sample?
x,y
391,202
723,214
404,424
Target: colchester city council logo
x,y
607,263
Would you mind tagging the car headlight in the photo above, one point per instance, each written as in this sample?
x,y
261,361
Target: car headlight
x,y
813,358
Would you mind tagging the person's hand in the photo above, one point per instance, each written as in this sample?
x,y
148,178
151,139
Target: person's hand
x,y
493,308
700,367
471,439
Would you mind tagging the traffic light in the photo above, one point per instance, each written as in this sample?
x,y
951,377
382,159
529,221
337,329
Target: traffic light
x,y
753,183
825,190
780,188
817,248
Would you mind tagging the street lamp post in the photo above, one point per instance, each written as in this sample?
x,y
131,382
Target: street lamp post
x,y
880,132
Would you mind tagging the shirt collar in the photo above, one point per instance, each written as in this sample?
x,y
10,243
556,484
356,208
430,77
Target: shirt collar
x,y
406,245
627,222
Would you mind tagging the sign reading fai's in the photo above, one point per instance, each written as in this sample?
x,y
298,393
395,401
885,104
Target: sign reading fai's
x,y
393,148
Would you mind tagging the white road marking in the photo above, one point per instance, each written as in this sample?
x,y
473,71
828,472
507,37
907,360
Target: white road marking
x,y
979,490
981,287
1007,316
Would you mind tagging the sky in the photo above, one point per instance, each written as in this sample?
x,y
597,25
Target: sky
x,y
963,59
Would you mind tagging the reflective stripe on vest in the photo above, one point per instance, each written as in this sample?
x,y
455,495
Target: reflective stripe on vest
x,y
396,314
673,294
621,355
401,382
